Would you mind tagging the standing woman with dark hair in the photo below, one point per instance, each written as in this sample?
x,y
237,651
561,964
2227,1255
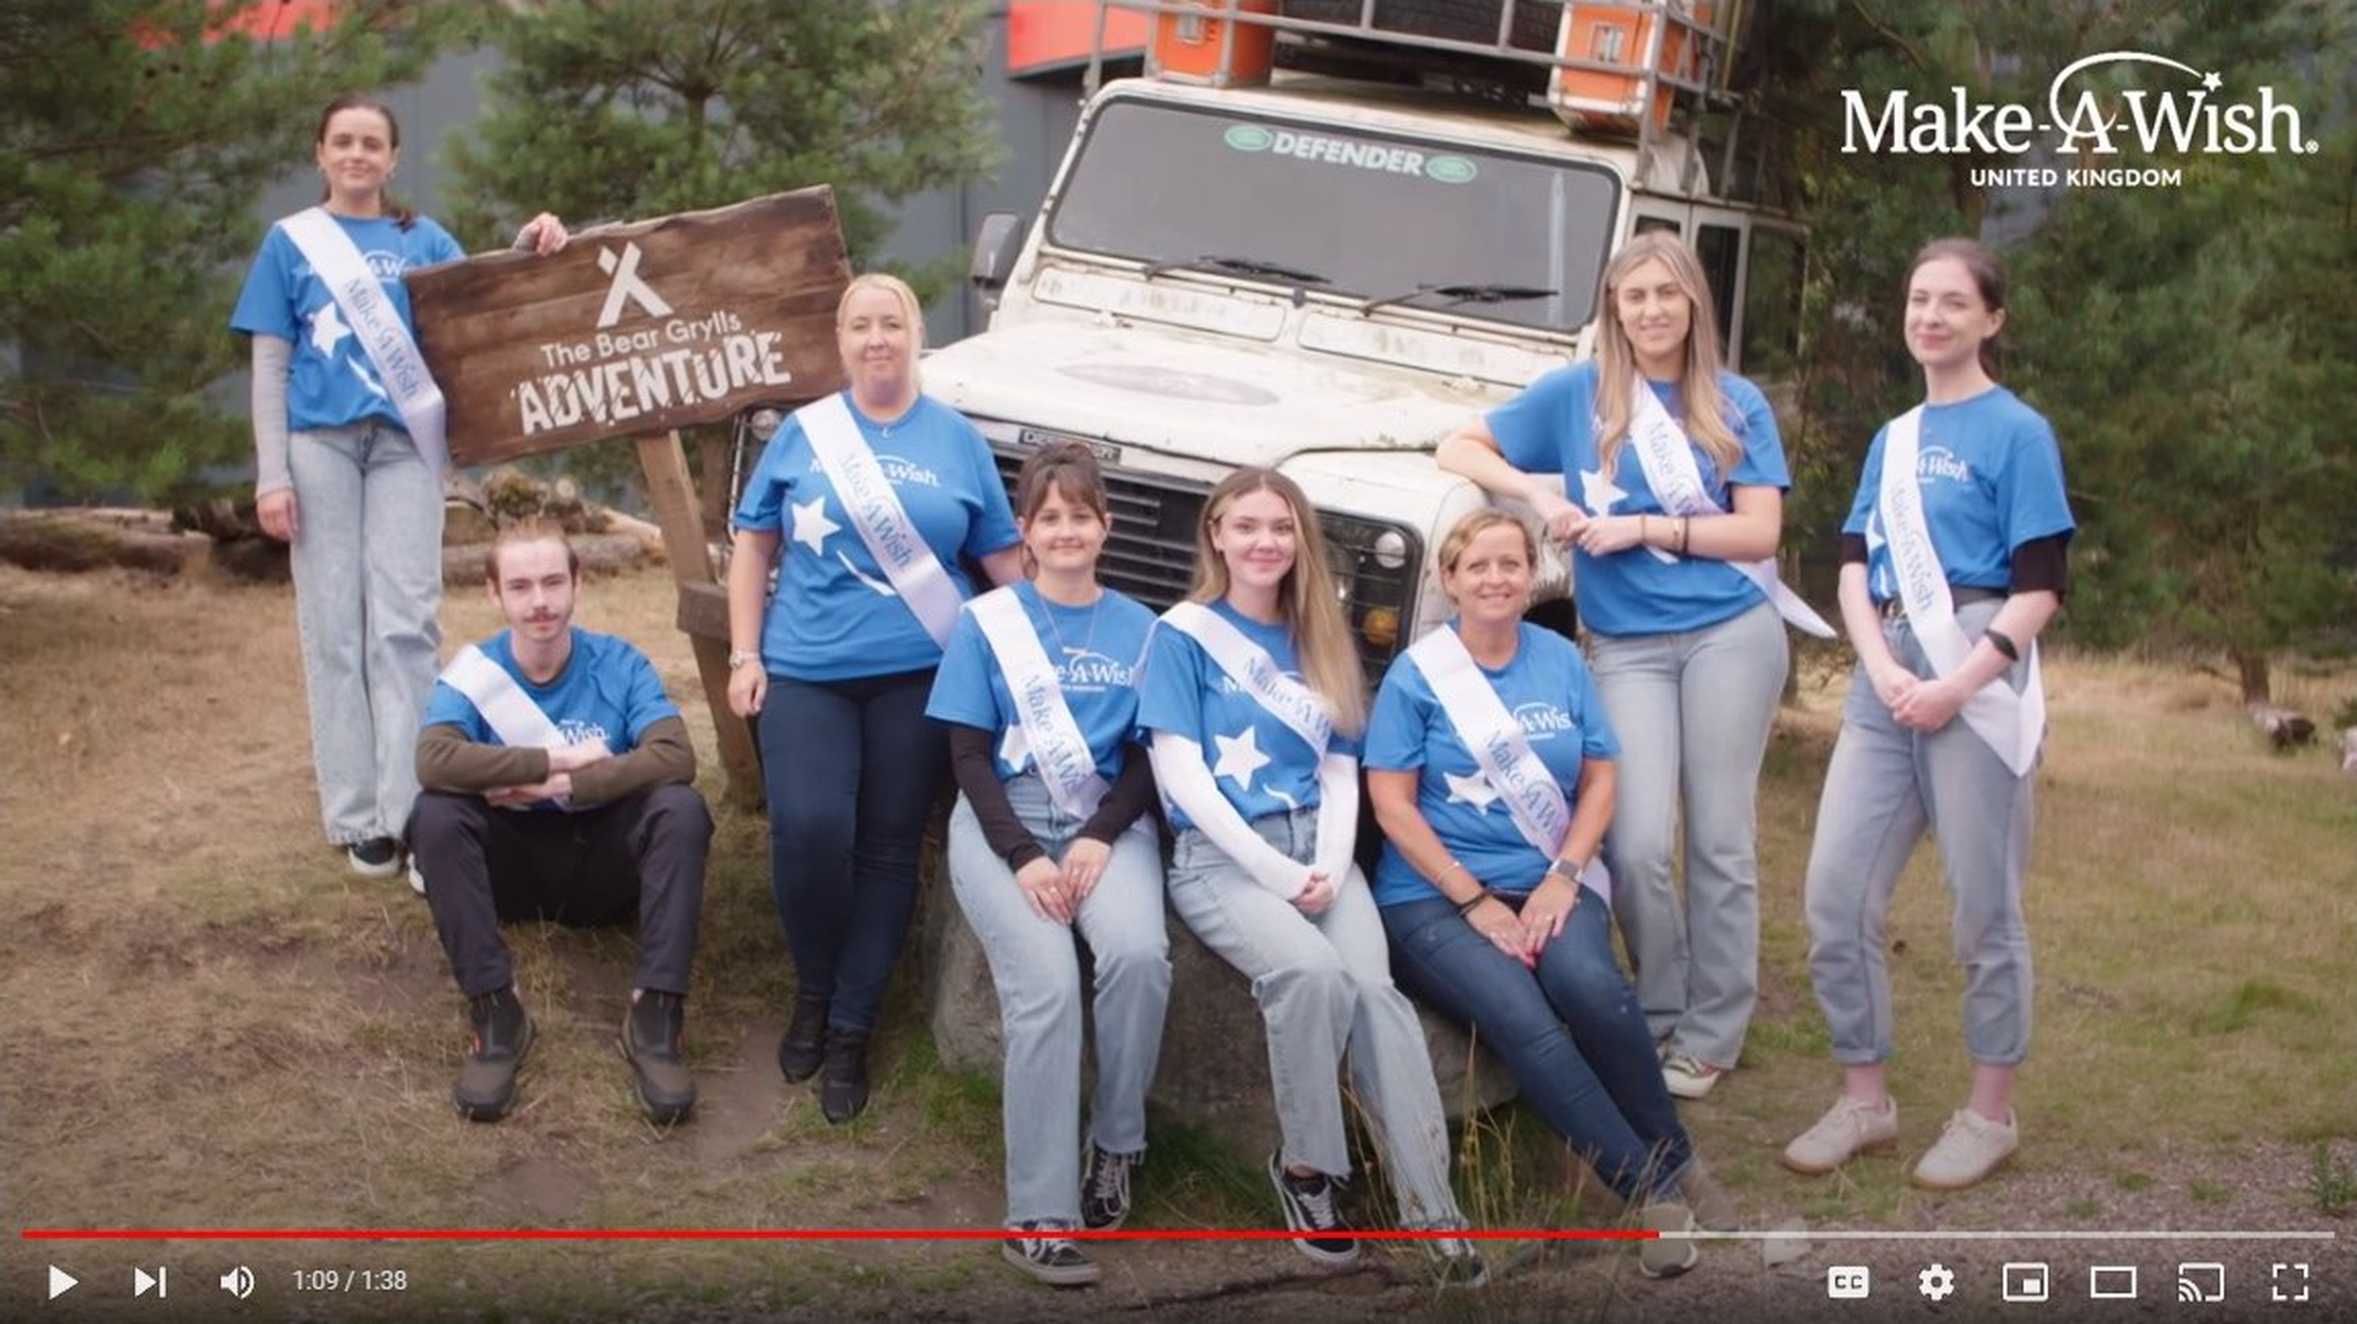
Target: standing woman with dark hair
x,y
887,490
349,457
1050,847
1953,562
1255,698
1682,477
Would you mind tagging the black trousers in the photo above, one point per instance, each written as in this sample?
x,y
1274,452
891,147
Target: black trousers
x,y
641,856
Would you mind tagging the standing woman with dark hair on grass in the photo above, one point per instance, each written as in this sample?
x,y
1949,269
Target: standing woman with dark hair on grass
x,y
1255,698
1051,847
886,491
1953,561
1681,475
349,457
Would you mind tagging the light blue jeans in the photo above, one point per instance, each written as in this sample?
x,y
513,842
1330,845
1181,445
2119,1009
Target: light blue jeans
x,y
1887,784
1035,966
1692,710
1324,985
367,561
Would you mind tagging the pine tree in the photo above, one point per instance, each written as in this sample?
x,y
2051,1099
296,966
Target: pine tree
x,y
135,136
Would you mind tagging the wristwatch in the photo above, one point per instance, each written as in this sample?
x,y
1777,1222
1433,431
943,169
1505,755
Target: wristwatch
x,y
1565,870
737,659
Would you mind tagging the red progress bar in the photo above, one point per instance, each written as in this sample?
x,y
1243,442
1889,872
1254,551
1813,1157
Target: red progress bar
x,y
803,1234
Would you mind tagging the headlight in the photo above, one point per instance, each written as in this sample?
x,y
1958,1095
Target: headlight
x,y
1391,549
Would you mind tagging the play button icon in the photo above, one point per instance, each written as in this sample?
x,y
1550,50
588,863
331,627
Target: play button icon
x,y
61,1282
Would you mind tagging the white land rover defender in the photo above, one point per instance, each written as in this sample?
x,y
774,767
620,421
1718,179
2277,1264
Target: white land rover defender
x,y
1326,274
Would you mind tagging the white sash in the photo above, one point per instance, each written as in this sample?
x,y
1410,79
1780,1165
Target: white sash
x,y
1667,456
2011,723
400,368
513,717
883,523
1251,667
1057,746
1502,748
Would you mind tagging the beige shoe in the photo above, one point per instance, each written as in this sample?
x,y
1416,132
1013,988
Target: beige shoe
x,y
1714,1209
1969,1148
1667,1257
1688,1076
1846,1128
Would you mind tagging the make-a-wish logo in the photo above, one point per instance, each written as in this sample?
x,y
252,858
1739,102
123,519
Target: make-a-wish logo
x,y
2189,119
1940,462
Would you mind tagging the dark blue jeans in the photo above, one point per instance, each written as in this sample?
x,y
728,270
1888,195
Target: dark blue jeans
x,y
851,768
1571,1033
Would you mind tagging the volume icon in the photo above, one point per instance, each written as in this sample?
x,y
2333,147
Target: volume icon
x,y
238,1282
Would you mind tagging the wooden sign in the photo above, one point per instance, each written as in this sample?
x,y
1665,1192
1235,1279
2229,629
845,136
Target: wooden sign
x,y
636,329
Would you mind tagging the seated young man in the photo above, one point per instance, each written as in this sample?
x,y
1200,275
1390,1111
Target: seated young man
x,y
556,786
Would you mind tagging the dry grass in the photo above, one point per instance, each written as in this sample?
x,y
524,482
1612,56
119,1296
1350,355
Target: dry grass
x,y
215,1025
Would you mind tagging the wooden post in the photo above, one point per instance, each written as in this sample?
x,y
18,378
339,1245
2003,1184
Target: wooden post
x,y
672,492
716,452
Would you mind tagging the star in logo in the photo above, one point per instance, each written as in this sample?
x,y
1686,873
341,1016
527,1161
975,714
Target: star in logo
x,y
2211,82
1598,493
1239,758
1014,749
811,525
1474,790
328,329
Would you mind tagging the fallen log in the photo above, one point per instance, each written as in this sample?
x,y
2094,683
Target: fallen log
x,y
600,553
83,539
2283,727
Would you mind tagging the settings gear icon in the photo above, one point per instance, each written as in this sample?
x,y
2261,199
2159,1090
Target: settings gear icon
x,y
1937,1282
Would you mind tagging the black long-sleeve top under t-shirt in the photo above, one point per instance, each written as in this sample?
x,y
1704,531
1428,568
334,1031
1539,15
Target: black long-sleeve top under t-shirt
x,y
2040,563
972,760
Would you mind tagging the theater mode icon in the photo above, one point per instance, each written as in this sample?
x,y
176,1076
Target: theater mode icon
x,y
2111,1282
1849,1282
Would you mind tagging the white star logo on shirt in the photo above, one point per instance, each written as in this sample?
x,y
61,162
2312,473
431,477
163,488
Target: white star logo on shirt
x,y
1598,493
1239,758
328,329
1014,749
1874,538
1474,790
811,525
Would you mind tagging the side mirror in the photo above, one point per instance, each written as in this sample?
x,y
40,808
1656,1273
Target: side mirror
x,y
996,245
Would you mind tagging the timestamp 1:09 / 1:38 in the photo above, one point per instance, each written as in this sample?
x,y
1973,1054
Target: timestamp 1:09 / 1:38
x,y
351,1280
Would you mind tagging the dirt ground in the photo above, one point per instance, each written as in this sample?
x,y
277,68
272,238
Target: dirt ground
x,y
215,1026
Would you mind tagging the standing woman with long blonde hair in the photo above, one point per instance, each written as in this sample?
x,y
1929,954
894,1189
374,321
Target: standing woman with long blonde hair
x,y
1255,700
1680,480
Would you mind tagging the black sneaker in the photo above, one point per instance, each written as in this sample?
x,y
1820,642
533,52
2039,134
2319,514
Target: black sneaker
x,y
805,1043
1310,1211
377,857
502,1035
1455,1263
1055,1260
651,1044
1104,1188
843,1078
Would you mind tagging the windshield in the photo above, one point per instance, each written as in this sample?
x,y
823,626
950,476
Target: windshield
x,y
1375,215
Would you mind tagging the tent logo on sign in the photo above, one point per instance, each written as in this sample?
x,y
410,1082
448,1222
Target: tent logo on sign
x,y
627,287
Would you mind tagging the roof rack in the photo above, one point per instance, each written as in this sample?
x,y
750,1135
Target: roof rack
x,y
1652,69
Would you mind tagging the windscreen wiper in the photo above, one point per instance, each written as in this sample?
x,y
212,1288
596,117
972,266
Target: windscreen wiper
x,y
1241,266
1457,294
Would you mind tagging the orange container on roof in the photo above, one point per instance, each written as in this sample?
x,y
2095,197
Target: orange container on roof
x,y
1639,38
1187,46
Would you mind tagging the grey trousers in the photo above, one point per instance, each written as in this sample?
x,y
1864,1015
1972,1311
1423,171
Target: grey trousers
x,y
1035,965
1692,710
1324,985
367,561
1885,786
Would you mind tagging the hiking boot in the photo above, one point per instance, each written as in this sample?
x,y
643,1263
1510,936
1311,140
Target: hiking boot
x,y
805,1044
1455,1263
843,1077
1666,1257
1969,1148
1055,1260
502,1034
658,1063
1714,1209
1310,1211
1847,1128
1688,1076
377,857
1104,1188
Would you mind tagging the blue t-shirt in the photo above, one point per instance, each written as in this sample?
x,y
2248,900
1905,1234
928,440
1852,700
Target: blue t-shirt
x,y
836,615
1548,689
1258,762
1096,651
330,381
1991,477
1550,428
607,691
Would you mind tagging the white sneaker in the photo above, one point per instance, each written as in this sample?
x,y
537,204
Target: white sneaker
x,y
1688,1076
1969,1148
417,881
1846,1128
1667,1257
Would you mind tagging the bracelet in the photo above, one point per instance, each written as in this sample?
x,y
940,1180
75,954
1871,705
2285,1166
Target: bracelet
x,y
1643,531
2003,643
1466,907
1685,532
1454,865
